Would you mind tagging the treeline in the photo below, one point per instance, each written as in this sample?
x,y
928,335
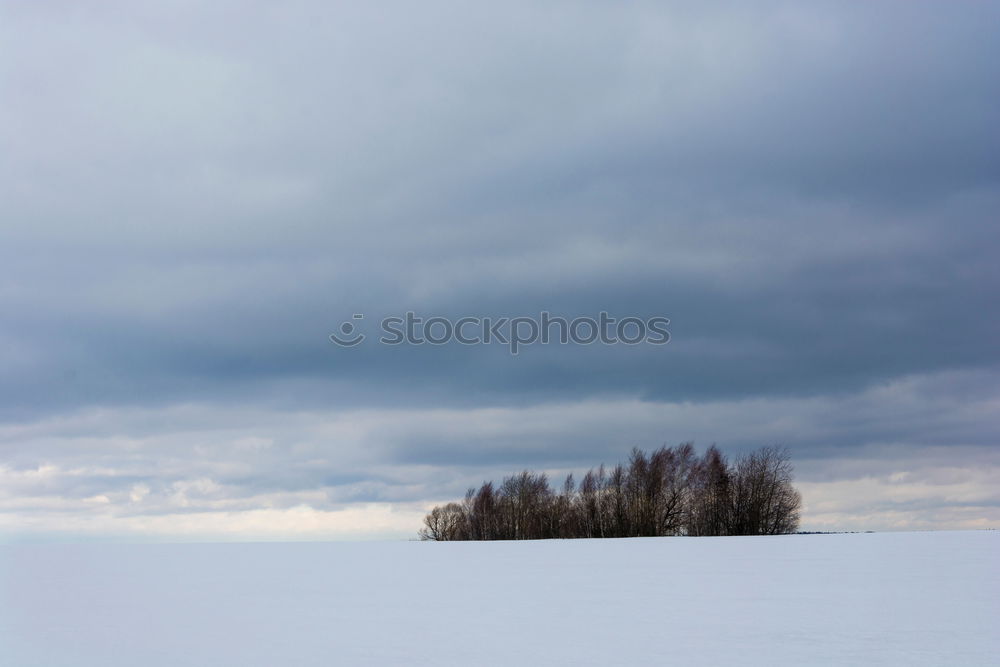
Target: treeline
x,y
671,491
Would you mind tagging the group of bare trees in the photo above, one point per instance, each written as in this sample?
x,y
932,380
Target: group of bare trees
x,y
671,491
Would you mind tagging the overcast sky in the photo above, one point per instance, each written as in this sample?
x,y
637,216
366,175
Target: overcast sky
x,y
193,196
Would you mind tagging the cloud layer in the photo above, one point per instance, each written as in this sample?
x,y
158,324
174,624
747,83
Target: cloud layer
x,y
194,198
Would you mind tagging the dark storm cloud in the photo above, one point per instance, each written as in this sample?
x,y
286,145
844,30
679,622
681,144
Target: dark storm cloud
x,y
194,198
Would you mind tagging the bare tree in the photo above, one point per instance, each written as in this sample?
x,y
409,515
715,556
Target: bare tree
x,y
484,520
592,506
445,523
525,499
710,496
764,502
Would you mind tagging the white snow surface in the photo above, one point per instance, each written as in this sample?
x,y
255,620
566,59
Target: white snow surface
x,y
858,599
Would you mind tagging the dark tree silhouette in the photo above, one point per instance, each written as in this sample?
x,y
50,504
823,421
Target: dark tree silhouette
x,y
710,496
668,492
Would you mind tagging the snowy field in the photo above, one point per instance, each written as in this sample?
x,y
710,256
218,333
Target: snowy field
x,y
864,599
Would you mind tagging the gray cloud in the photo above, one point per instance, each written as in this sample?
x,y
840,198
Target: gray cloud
x,y
865,459
195,197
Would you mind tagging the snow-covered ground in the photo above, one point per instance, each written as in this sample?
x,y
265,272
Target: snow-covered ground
x,y
863,599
